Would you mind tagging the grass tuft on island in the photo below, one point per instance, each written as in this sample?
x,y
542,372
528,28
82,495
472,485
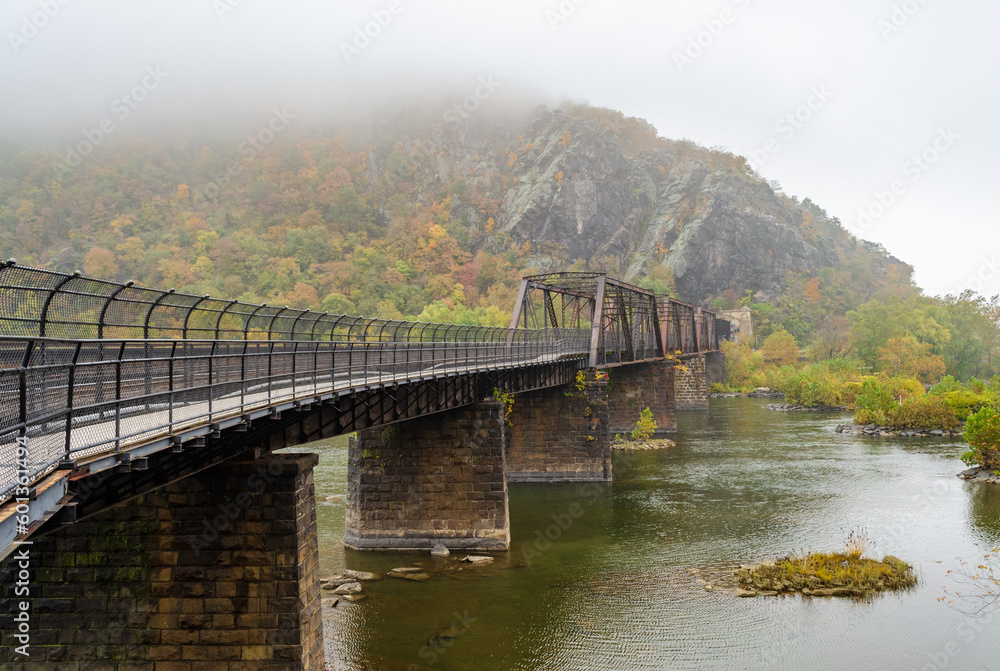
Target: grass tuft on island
x,y
826,574
622,443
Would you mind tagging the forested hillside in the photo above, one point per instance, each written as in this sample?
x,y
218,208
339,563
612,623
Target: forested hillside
x,y
436,217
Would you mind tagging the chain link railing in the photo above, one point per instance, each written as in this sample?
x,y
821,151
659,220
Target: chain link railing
x,y
90,367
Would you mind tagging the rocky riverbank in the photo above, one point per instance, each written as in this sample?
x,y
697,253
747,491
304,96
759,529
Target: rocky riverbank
x,y
892,432
980,474
760,392
795,407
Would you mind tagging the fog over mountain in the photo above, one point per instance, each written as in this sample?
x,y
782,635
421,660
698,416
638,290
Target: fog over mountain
x,y
876,108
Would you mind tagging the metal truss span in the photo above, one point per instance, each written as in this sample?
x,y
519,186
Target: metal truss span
x,y
628,324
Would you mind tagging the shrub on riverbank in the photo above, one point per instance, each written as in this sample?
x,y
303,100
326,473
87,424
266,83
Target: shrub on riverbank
x,y
882,399
828,383
983,433
902,403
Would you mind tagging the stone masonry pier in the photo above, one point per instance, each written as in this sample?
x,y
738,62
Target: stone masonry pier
x,y
692,384
217,571
631,389
561,434
435,479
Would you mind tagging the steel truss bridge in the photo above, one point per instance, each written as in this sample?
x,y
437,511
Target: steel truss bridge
x,y
110,390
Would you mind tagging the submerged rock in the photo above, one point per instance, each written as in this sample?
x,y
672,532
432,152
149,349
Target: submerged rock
x,y
362,575
415,577
476,559
440,551
832,591
353,597
348,588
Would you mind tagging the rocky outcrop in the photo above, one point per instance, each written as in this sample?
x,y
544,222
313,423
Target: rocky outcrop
x,y
892,432
581,187
795,407
979,474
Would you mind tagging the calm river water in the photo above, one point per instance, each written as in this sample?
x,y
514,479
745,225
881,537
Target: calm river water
x,y
742,485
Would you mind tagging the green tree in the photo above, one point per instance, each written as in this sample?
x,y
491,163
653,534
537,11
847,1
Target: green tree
x,y
780,349
983,433
907,357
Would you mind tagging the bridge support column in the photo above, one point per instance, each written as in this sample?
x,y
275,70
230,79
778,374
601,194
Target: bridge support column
x,y
634,388
434,479
561,434
692,384
715,368
216,571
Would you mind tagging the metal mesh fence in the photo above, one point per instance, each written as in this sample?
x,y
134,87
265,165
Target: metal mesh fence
x,y
47,304
90,367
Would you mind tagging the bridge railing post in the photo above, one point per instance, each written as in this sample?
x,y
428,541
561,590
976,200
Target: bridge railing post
x,y
118,398
211,378
70,389
170,387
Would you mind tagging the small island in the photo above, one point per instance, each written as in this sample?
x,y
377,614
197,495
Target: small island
x,y
825,574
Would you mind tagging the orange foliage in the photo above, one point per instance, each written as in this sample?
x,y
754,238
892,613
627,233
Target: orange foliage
x,y
812,290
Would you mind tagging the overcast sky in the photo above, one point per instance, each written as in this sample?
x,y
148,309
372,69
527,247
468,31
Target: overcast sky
x,y
905,106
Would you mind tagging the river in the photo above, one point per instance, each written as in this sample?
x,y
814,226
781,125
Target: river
x,y
613,591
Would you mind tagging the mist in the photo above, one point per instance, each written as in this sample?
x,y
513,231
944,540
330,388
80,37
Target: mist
x,y
845,103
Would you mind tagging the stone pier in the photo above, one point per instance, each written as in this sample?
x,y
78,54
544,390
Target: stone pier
x,y
561,434
217,571
692,384
631,389
715,368
435,479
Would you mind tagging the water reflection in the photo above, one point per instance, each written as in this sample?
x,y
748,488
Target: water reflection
x,y
984,512
612,590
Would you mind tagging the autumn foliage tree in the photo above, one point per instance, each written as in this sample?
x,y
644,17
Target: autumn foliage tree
x,y
907,357
780,349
